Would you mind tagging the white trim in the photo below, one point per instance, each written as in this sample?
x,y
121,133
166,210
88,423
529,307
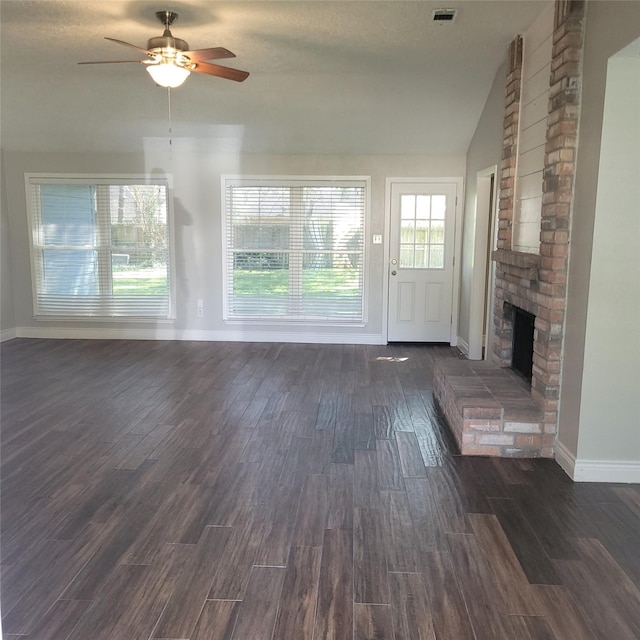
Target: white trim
x,y
463,346
457,256
8,334
286,180
223,241
625,471
458,182
232,335
617,471
487,329
481,294
252,322
106,319
386,248
565,458
173,275
102,178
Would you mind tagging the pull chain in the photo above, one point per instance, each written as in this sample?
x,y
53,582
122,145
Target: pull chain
x,y
170,120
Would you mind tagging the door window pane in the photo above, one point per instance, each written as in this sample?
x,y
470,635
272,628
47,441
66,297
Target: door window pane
x,y
407,231
437,232
422,231
423,205
438,207
408,207
436,256
406,257
421,258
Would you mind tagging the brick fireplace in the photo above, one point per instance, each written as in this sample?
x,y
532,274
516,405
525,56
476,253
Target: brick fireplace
x,y
537,282
534,282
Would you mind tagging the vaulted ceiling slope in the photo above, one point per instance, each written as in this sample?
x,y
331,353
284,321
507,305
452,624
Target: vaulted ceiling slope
x,y
348,77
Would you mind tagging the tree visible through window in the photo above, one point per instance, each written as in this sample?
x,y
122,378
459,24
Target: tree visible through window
x,y
100,248
295,251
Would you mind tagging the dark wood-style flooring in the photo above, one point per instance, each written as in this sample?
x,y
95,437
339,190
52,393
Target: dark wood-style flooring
x,y
225,491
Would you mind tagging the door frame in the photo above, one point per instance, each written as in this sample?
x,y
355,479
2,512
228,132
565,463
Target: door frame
x,y
482,287
458,182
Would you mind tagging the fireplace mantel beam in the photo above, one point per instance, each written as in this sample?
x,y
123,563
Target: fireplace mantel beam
x,y
518,263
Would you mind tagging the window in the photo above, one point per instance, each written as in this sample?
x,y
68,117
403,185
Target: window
x,y
294,249
100,247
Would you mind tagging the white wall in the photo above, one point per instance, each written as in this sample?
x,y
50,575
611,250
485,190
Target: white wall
x,y
484,151
611,377
596,436
7,316
196,178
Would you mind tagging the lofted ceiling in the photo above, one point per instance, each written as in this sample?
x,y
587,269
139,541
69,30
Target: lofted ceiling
x,y
351,77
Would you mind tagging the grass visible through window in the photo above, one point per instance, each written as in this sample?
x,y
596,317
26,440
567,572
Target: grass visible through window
x,y
315,283
149,282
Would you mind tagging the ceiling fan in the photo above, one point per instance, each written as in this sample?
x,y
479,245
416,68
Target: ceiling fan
x,y
170,61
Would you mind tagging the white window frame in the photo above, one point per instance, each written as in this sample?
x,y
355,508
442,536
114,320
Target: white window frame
x,y
294,181
166,181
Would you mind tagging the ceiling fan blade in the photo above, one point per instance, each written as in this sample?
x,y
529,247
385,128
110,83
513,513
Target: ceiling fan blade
x,y
214,53
128,44
221,72
111,61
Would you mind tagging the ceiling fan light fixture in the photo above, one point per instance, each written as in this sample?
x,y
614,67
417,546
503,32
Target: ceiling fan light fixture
x,y
168,74
169,60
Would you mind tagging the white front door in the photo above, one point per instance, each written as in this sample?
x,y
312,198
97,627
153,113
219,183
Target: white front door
x,y
421,262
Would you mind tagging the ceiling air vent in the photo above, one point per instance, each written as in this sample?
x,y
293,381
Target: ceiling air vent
x,y
444,15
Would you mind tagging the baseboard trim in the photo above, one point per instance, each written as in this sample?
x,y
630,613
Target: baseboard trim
x,y
194,335
463,346
623,471
565,459
580,470
8,334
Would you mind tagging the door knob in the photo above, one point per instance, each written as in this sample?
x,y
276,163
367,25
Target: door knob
x,y
393,273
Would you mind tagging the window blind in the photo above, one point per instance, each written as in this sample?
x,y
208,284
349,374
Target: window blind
x,y
294,250
100,248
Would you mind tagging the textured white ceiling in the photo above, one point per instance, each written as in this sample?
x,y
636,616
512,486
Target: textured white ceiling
x,y
354,77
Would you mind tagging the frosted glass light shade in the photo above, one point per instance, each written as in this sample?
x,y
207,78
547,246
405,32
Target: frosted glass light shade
x,y
168,74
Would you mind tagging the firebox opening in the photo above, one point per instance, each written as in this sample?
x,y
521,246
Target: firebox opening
x,y
522,346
